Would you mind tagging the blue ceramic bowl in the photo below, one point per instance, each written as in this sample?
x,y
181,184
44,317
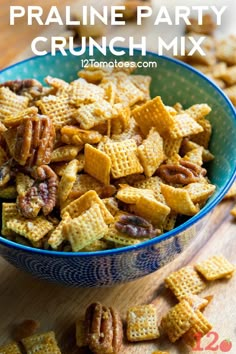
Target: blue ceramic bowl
x,y
175,82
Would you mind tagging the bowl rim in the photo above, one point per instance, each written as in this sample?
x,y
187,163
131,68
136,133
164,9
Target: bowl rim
x,y
165,236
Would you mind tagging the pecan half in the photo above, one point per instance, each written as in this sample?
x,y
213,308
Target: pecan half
x,y
34,140
185,173
136,226
103,326
41,195
30,86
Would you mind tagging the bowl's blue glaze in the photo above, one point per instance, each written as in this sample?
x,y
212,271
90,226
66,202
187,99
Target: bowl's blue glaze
x,y
175,82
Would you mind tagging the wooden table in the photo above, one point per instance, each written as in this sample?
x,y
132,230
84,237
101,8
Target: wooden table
x,y
57,307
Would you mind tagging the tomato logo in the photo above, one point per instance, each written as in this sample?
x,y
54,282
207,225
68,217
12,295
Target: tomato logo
x,y
226,345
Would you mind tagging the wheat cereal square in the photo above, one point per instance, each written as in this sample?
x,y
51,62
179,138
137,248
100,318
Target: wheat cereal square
x,y
184,125
154,114
151,152
178,320
151,209
11,103
131,195
203,138
65,153
12,348
58,109
97,164
233,211
185,281
142,323
231,93
41,344
81,204
200,192
198,111
124,160
231,192
199,325
68,179
178,199
216,267
93,114
82,92
56,237
32,229
80,333
86,228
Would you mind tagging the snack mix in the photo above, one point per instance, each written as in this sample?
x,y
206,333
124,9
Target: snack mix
x,y
96,163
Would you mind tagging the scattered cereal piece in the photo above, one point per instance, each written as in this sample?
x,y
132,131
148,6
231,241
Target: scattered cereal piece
x,y
216,267
12,348
178,320
226,50
207,26
197,302
229,75
185,281
231,192
80,334
199,325
233,211
231,93
142,323
142,83
41,344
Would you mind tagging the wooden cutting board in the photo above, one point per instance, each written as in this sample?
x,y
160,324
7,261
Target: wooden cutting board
x,y
56,307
